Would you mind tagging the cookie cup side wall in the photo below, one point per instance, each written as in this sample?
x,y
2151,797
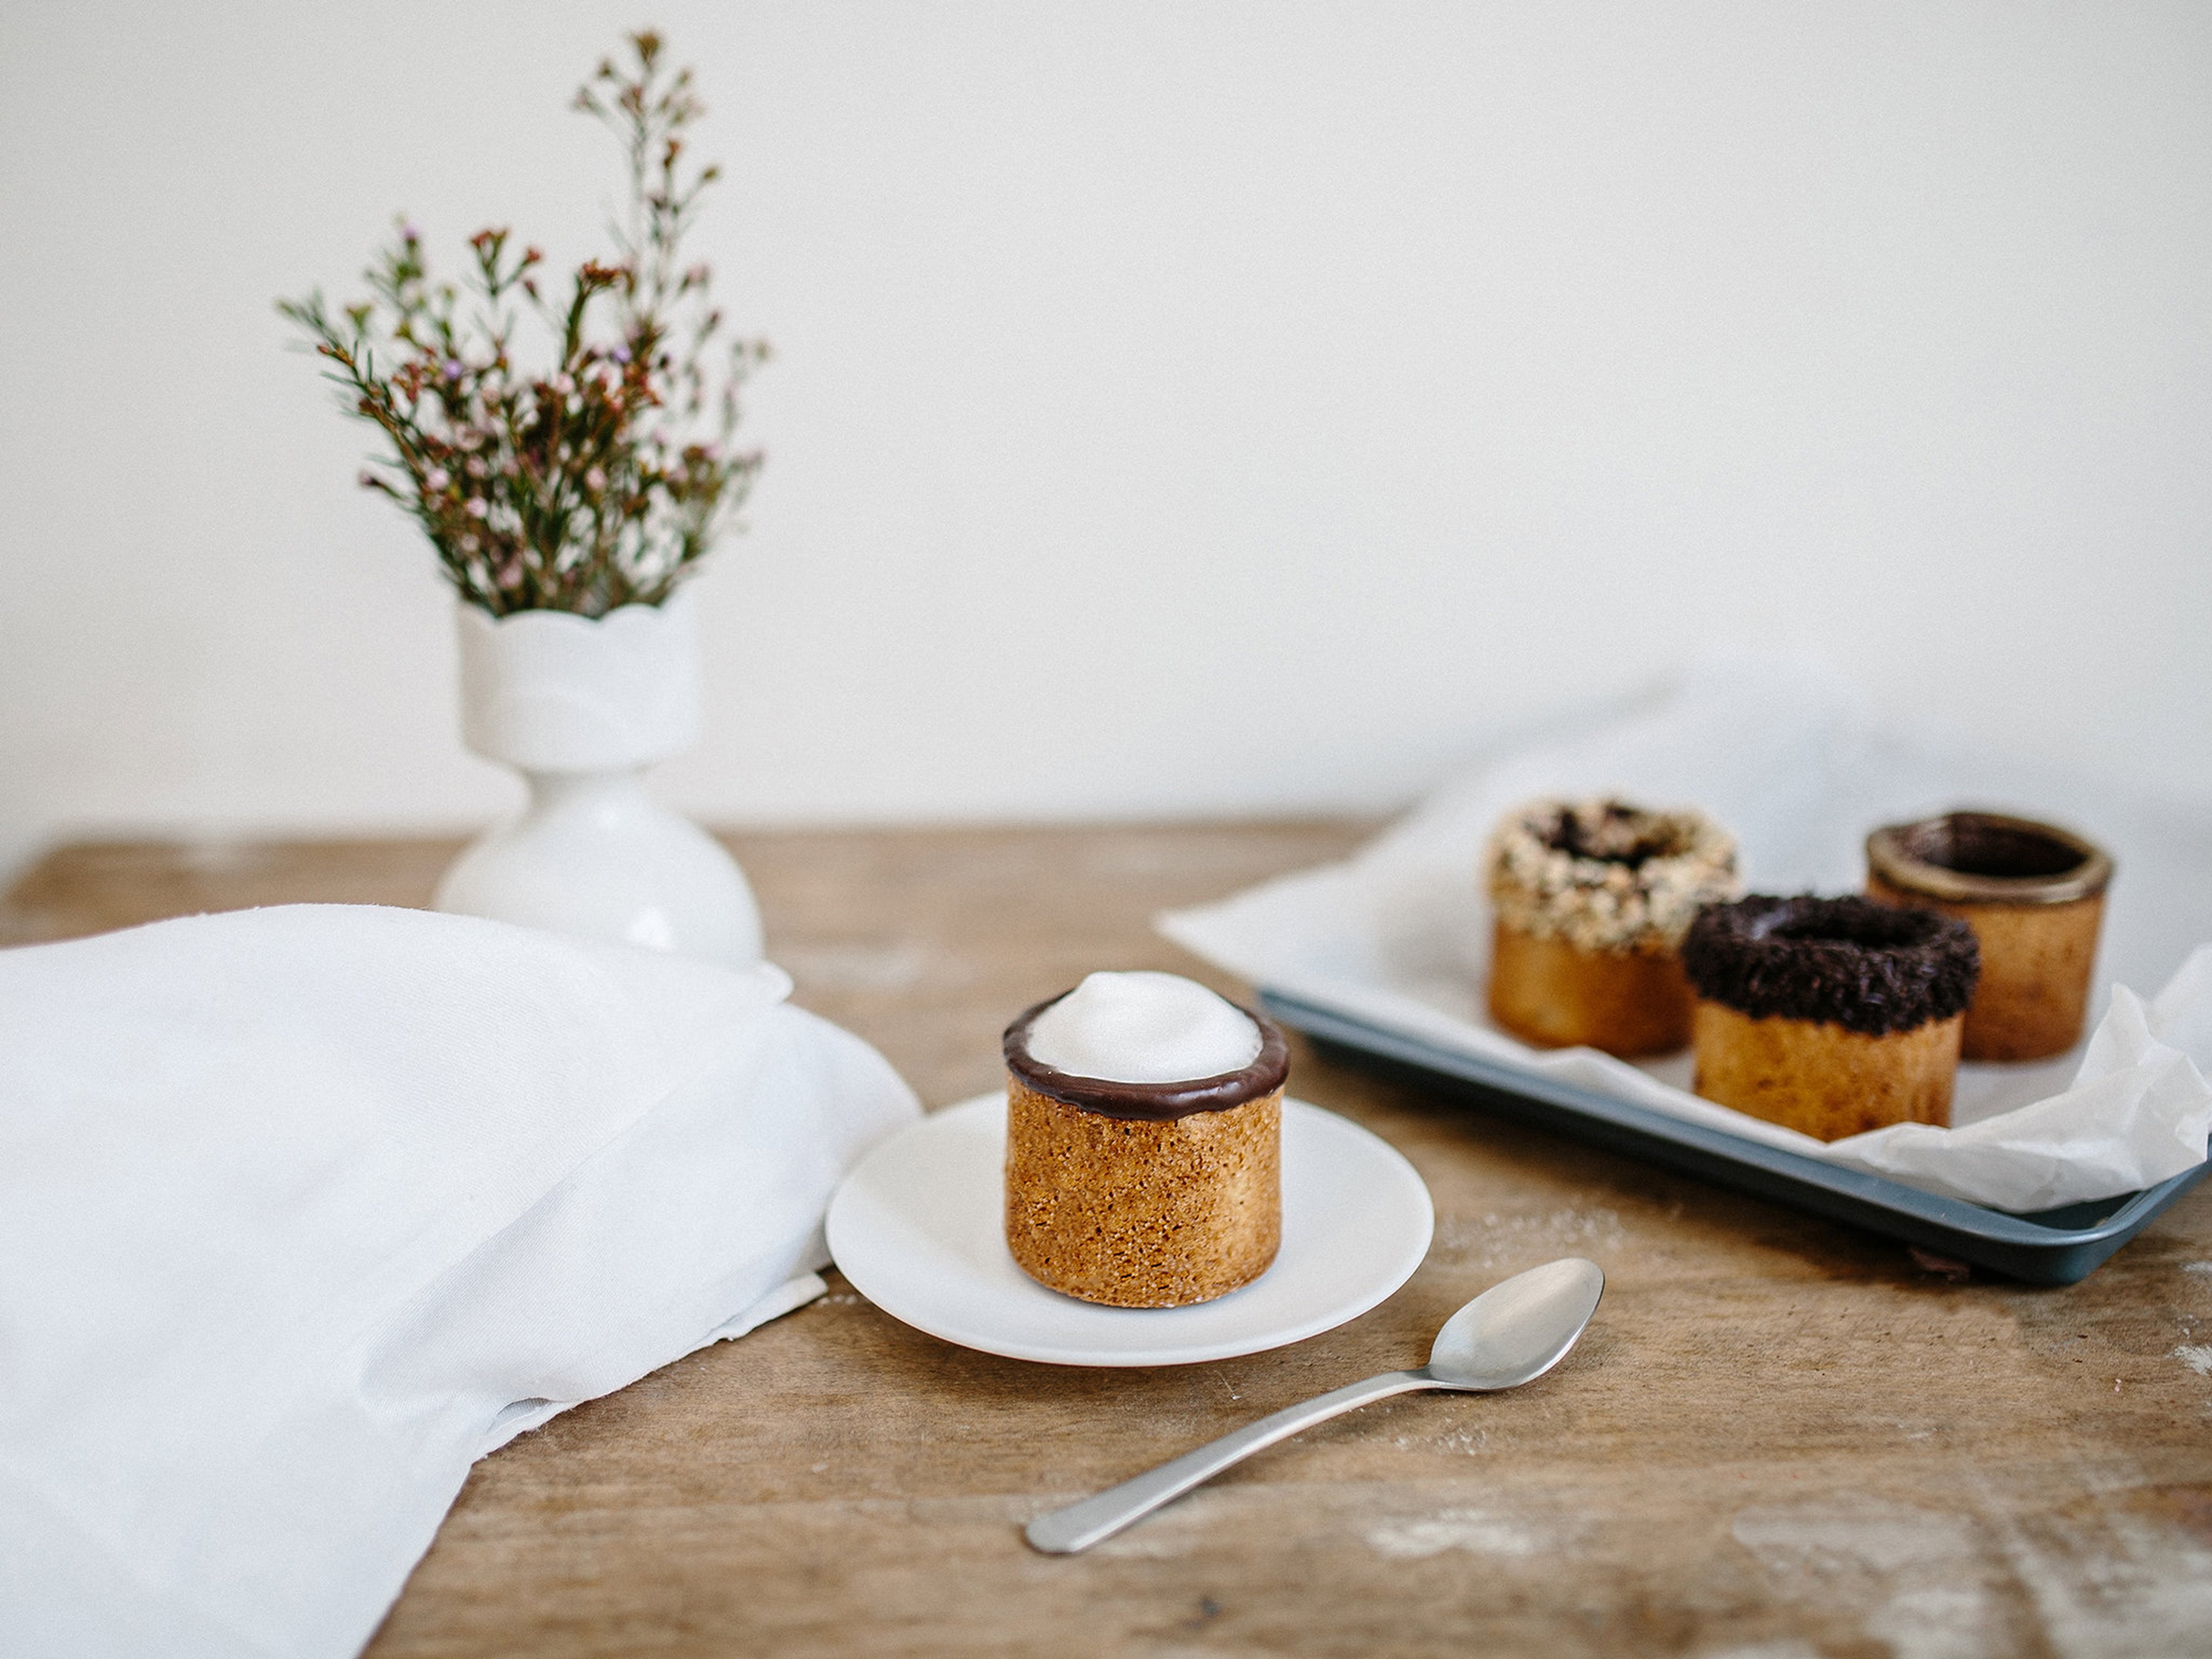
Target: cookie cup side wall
x,y
1556,994
1134,1214
1821,1078
2036,960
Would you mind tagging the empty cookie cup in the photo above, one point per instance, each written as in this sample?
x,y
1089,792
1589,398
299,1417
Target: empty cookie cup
x,y
2033,894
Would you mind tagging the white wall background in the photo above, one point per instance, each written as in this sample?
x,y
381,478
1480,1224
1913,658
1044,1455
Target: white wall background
x,y
1179,409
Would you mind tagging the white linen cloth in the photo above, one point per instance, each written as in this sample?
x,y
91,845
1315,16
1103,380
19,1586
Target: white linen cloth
x,y
303,1209
1790,758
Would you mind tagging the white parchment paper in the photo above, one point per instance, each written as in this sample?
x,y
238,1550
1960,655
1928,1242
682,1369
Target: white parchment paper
x,y
1790,757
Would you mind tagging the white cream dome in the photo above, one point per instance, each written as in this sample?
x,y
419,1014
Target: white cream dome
x,y
1143,1027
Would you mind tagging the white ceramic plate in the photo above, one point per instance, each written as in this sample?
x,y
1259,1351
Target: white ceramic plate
x,y
919,1228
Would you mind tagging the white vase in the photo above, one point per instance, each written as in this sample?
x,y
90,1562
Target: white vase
x,y
581,707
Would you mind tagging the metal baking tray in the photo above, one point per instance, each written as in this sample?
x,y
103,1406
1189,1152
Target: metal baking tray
x,y
2049,1247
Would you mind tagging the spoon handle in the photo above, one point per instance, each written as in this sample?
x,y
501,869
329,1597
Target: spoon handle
x,y
1078,1527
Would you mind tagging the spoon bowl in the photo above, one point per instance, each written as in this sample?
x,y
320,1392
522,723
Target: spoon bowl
x,y
1515,1331
1512,1334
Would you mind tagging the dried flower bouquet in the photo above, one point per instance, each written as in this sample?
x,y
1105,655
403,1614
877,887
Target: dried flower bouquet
x,y
592,486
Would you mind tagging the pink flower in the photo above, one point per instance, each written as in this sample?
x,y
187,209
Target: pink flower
x,y
436,478
595,481
475,508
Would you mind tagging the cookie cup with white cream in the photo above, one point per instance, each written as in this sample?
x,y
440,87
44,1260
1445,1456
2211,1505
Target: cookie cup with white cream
x,y
1144,1142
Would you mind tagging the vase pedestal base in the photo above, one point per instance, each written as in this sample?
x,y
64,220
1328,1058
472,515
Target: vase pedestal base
x,y
593,854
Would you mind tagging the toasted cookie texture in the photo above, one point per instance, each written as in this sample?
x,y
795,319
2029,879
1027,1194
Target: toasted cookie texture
x,y
1140,1214
1555,994
1824,1079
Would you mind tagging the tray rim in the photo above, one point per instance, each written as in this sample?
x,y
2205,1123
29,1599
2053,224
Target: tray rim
x,y
1996,1238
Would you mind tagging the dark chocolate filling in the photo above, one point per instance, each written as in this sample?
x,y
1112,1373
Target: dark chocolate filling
x,y
1976,846
1154,1103
1970,858
1615,834
1867,967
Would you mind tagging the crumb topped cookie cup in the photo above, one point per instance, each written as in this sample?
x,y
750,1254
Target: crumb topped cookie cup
x,y
2033,894
1831,1017
1591,899
1144,1195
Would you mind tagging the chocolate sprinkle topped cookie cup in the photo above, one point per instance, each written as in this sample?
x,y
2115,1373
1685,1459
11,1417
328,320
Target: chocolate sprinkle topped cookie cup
x,y
1831,1017
1145,1195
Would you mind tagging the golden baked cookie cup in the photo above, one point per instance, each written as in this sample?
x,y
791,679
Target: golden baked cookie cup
x,y
1553,994
1591,899
1831,1017
1144,1195
2033,894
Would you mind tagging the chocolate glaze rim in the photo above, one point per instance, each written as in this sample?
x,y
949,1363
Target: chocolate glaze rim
x,y
1926,968
1890,859
1150,1102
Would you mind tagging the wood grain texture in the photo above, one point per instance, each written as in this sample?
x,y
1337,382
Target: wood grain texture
x,y
1780,1438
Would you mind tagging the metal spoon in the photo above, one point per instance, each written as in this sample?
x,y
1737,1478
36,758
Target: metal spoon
x,y
1512,1334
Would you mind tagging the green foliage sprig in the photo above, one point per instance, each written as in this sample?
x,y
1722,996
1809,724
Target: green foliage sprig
x,y
605,482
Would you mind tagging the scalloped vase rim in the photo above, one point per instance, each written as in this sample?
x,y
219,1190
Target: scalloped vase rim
x,y
551,690
643,612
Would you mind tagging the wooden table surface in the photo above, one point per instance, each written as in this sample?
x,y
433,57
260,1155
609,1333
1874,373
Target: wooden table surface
x,y
1781,1439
